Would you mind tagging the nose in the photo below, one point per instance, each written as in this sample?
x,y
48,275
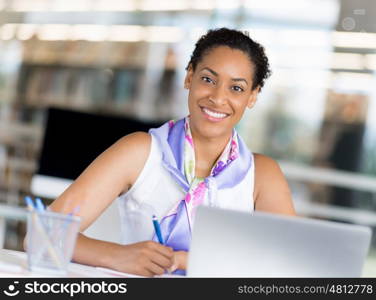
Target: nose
x,y
218,95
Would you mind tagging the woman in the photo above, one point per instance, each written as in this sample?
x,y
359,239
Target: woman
x,y
181,165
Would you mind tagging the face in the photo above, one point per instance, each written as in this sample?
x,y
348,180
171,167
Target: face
x,y
220,89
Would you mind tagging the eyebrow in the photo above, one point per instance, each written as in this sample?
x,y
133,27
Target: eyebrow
x,y
216,74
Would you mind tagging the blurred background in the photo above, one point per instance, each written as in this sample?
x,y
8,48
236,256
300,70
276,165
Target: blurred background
x,y
75,69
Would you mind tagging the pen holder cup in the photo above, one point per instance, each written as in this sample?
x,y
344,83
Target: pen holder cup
x,y
51,238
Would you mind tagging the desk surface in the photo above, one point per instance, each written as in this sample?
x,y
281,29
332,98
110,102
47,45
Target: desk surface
x,y
14,264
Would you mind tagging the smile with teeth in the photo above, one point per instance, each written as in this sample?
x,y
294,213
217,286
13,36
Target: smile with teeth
x,y
214,114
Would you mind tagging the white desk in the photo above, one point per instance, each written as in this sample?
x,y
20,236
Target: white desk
x,y
14,264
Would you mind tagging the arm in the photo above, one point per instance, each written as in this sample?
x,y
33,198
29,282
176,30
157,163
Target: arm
x,y
271,192
109,175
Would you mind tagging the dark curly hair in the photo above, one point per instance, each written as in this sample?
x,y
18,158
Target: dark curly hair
x,y
234,39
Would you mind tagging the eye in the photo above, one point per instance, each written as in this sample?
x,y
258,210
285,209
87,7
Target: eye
x,y
237,88
207,79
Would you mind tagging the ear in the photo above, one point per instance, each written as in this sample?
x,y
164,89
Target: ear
x,y
253,97
188,78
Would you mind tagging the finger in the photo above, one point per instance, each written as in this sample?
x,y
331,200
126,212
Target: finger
x,y
168,252
172,269
174,265
161,260
165,251
155,269
147,273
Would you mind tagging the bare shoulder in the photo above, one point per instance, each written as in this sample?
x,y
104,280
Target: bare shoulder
x,y
271,190
264,163
138,141
132,151
118,166
108,176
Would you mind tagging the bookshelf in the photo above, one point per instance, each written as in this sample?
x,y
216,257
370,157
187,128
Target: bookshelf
x,y
109,62
109,75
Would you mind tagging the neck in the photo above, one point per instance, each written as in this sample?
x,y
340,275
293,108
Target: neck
x,y
207,151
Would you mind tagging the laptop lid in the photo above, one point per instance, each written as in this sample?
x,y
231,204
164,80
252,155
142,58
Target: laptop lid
x,y
228,243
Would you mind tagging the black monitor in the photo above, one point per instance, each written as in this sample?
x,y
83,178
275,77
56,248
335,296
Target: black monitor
x,y
73,139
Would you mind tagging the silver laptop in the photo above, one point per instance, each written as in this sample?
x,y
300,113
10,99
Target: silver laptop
x,y
227,243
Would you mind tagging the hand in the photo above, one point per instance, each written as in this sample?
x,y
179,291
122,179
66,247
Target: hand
x,y
179,261
144,258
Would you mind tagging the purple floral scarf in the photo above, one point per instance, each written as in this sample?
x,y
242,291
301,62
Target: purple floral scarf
x,y
177,145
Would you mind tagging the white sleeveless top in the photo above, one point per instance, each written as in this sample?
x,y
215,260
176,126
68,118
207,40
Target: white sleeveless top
x,y
156,192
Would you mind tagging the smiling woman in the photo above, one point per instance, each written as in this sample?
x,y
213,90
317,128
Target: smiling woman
x,y
170,171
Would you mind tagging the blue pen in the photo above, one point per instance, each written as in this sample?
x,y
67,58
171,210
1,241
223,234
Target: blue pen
x,y
157,229
29,203
39,204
